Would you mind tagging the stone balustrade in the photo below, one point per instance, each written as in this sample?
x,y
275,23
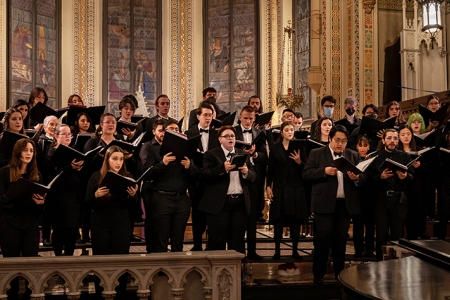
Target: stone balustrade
x,y
217,274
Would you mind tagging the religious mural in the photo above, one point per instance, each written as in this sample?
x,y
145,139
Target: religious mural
x,y
231,35
132,51
34,51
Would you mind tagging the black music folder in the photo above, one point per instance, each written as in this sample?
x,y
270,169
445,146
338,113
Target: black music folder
x,y
81,140
426,139
94,113
258,141
344,165
370,126
8,141
24,189
395,166
63,155
238,160
439,115
118,184
40,111
125,146
179,145
125,125
229,120
346,124
264,118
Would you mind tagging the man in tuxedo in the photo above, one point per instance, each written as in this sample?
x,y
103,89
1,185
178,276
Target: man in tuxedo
x,y
334,198
209,96
247,133
170,205
209,140
162,105
226,199
327,104
298,120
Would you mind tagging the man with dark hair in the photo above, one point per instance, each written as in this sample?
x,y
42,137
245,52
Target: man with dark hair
x,y
226,199
162,106
327,104
391,206
209,140
255,102
334,198
247,133
298,120
170,205
209,96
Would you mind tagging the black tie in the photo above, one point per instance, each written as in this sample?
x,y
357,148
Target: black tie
x,y
337,154
229,155
204,130
247,131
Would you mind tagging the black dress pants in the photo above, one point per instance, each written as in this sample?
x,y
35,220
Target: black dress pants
x,y
16,242
331,232
228,227
170,216
390,216
64,239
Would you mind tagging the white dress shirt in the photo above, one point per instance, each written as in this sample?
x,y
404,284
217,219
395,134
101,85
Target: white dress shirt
x,y
235,186
340,177
204,138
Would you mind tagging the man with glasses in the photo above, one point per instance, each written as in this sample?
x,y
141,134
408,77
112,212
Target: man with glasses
x,y
334,198
327,104
226,199
209,140
209,96
390,186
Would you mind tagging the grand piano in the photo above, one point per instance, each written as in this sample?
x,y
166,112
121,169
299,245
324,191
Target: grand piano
x,y
426,275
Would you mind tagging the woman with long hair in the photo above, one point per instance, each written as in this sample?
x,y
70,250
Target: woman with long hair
x,y
416,123
64,199
322,130
13,122
110,222
393,110
75,100
37,95
285,187
19,221
416,191
24,108
83,124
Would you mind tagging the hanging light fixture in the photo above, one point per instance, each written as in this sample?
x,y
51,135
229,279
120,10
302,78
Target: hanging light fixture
x,y
431,16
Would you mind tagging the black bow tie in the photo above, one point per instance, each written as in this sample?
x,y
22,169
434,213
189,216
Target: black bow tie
x,y
247,131
204,130
230,154
337,154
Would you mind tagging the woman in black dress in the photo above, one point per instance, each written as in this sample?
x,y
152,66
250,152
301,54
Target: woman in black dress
x,y
13,122
286,189
63,200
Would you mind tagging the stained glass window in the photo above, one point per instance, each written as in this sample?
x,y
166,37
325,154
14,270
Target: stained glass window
x,y
34,40
132,39
231,50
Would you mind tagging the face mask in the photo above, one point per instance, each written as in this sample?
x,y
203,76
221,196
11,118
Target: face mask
x,y
211,100
328,111
372,116
350,111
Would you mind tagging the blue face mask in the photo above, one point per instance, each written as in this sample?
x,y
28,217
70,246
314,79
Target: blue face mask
x,y
328,111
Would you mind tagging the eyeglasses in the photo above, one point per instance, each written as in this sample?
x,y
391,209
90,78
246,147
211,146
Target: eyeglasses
x,y
228,136
340,141
391,138
65,134
288,116
206,115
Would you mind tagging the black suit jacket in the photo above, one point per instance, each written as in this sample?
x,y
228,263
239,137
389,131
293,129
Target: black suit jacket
x,y
324,187
262,152
193,117
213,140
217,181
283,170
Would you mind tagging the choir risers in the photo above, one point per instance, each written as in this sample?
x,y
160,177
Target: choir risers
x,y
219,273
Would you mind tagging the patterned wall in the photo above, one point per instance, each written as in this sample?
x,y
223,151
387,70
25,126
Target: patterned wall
x,y
368,57
356,21
395,4
336,48
302,13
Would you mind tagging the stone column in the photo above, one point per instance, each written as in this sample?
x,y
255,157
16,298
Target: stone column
x,y
177,293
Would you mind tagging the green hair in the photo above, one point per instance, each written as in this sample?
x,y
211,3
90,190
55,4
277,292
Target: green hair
x,y
417,117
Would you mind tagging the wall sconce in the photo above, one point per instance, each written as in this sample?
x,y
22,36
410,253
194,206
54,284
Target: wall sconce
x,y
431,16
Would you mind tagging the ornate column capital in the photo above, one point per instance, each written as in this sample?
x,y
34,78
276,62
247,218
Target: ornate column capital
x,y
368,5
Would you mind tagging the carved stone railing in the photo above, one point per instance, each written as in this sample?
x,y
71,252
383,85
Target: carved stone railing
x,y
219,273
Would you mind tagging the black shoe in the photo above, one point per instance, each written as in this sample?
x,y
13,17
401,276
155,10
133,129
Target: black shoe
x,y
276,256
139,220
135,239
81,241
318,281
369,254
296,256
46,243
357,254
255,256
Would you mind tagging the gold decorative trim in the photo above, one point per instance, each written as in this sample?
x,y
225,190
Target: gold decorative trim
x,y
90,57
182,72
2,59
174,62
268,78
190,44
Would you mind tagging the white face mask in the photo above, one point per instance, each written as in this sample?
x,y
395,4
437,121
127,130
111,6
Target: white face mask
x,y
328,111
